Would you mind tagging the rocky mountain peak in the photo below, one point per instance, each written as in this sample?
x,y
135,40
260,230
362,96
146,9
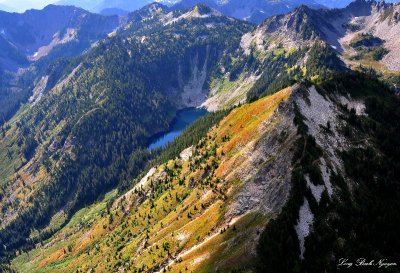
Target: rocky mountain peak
x,y
360,7
150,10
203,9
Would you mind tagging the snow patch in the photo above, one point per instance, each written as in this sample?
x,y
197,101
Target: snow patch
x,y
303,227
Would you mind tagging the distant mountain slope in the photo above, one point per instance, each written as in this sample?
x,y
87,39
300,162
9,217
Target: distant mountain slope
x,y
341,28
31,40
376,21
253,10
36,33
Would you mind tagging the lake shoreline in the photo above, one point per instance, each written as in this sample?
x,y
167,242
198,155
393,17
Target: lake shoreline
x,y
183,118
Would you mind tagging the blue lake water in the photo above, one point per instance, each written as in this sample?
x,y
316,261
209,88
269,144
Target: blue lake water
x,y
182,119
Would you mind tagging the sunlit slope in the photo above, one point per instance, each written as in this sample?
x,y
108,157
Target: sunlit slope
x,y
193,213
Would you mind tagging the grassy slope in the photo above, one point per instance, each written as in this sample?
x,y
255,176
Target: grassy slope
x,y
177,214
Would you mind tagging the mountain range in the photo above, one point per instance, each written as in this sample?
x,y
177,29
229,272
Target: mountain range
x,y
31,36
99,5
300,138
254,10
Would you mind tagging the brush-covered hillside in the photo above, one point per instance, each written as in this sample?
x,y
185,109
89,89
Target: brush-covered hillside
x,y
185,212
276,177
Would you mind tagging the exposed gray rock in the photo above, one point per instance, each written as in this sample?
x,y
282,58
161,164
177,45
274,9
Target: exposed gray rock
x,y
266,167
304,224
316,190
